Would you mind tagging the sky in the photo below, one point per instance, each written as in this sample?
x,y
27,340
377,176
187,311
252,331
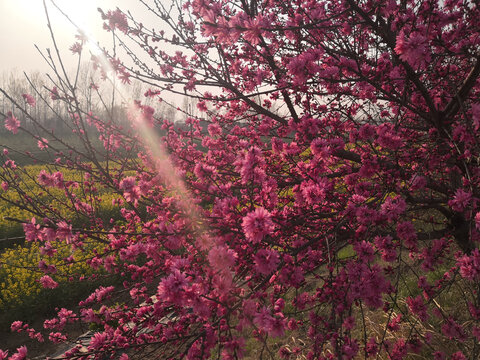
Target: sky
x,y
23,24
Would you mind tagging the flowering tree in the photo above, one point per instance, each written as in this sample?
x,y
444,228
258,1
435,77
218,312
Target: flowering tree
x,y
324,205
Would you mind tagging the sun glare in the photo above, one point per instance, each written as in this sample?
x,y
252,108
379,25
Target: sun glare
x,y
78,11
76,14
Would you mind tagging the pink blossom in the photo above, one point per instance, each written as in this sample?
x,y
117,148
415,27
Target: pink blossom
x,y
292,324
47,269
57,337
474,311
59,182
54,95
399,350
477,220
3,354
144,187
97,341
321,148
372,348
17,326
367,283
21,354
128,183
4,186
476,332
124,77
142,114
296,67
64,231
133,195
413,49
476,116
29,99
257,224
10,164
254,30
394,324
350,349
325,132
388,138
366,132
292,275
236,346
470,265
284,352
47,282
458,356
279,305
349,323
223,282
314,193
100,294
417,307
12,123
418,182
42,144
393,207
45,179
173,242
273,325
406,232
277,326
266,261
172,287
452,330
251,166
66,316
84,207
221,257
76,48
32,230
461,200
263,318
88,315
202,106
203,171
214,129
384,244
116,20
32,334
364,250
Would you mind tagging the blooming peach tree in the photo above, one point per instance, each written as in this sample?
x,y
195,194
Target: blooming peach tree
x,y
323,203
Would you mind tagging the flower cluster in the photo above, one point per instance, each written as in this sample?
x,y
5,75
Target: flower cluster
x,y
330,179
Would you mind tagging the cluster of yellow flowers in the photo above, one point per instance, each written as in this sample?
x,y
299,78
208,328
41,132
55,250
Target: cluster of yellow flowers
x,y
17,278
20,273
54,198
9,229
20,287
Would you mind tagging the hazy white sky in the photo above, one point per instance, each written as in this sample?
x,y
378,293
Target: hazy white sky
x,y
23,23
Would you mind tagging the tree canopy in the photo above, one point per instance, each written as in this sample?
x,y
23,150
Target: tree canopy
x,y
321,202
